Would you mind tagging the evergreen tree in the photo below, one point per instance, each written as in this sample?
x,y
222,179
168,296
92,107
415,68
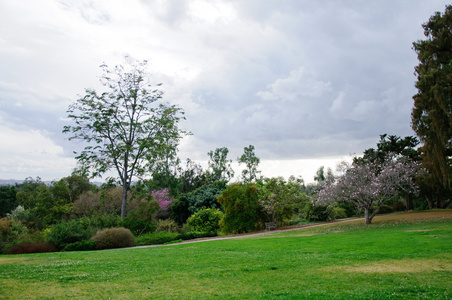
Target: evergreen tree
x,y
432,112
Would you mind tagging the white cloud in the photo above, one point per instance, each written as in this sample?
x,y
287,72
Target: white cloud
x,y
334,75
32,153
300,83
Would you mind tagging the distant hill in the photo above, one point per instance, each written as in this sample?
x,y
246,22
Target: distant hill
x,y
14,181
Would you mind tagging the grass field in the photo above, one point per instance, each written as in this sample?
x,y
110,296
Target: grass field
x,y
401,256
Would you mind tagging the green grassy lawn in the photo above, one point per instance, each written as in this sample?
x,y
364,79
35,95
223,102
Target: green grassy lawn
x,y
398,257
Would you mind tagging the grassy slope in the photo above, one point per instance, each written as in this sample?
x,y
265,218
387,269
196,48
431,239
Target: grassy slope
x,y
405,256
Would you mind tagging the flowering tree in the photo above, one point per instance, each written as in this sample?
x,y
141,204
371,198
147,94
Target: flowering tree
x,y
369,183
163,198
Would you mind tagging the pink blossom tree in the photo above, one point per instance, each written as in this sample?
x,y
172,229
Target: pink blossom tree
x,y
163,198
369,183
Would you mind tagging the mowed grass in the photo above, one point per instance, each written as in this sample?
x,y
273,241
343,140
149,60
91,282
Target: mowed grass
x,y
400,256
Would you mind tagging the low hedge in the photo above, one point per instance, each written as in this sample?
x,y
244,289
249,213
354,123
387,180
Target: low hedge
x,y
160,238
81,246
39,247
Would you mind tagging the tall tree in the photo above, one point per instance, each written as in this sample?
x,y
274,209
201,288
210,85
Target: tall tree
x,y
393,144
320,176
251,161
126,127
192,177
432,112
220,165
8,200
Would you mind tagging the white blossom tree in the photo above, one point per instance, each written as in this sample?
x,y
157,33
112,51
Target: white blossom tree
x,y
368,184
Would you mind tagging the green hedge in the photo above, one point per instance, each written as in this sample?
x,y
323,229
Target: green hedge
x,y
160,238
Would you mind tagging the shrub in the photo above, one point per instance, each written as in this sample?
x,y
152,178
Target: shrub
x,y
195,235
5,227
241,208
110,238
97,222
316,212
297,219
13,232
32,248
107,201
137,226
157,238
349,207
167,225
205,220
190,203
335,212
179,210
385,209
81,246
25,215
160,238
398,206
68,232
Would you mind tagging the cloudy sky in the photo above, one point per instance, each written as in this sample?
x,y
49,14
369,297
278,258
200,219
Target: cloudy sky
x,y
306,82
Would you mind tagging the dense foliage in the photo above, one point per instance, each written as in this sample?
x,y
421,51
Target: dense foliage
x,y
190,203
242,211
205,220
68,232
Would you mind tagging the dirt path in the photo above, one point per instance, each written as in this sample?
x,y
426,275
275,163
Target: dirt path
x,y
251,234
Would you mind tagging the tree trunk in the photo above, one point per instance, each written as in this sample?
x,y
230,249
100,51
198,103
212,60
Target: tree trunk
x,y
367,217
430,202
409,201
124,200
439,200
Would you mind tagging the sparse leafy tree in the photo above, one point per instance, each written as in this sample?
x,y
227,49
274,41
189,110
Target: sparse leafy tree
x,y
220,165
321,177
126,128
251,161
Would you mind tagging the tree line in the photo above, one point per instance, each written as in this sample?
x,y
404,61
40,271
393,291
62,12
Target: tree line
x,y
128,129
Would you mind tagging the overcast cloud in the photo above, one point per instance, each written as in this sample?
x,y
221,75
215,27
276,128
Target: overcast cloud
x,y
305,82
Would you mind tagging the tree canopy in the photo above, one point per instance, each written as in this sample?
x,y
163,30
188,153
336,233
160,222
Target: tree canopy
x,y
251,161
219,165
368,183
126,128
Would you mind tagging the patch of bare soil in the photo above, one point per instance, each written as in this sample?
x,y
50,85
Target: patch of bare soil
x,y
416,216
399,266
